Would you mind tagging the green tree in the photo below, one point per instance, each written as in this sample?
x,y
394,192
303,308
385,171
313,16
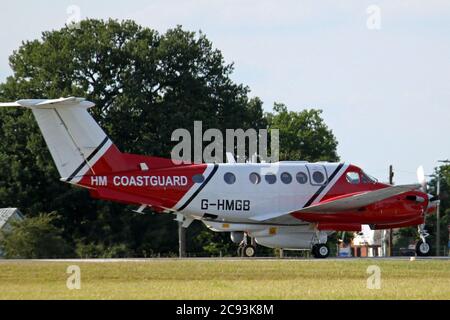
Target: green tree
x,y
303,135
431,222
145,85
34,238
209,243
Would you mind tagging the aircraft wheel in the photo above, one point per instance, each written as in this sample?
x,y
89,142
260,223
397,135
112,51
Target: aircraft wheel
x,y
423,249
249,251
314,250
320,251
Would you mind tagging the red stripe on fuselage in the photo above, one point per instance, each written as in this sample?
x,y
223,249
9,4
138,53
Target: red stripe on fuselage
x,y
119,177
395,210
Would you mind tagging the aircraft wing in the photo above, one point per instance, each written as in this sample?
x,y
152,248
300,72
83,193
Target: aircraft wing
x,y
341,204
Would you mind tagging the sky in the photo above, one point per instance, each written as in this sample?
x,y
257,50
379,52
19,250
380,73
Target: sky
x,y
379,70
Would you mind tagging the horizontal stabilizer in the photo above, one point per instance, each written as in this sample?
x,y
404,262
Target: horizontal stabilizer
x,y
48,103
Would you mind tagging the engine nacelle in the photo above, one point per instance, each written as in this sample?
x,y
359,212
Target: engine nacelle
x,y
293,241
237,236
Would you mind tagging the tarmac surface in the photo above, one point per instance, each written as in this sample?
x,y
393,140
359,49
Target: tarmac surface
x,y
225,259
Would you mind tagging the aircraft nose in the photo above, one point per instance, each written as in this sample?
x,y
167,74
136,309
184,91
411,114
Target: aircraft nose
x,y
433,202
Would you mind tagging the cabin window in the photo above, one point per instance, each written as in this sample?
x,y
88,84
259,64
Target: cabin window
x,y
318,177
198,178
301,177
270,178
286,178
254,178
229,178
353,177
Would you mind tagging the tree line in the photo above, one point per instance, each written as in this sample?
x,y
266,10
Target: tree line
x,y
145,85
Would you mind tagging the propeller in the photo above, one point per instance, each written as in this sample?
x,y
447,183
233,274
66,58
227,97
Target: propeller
x,y
433,200
422,179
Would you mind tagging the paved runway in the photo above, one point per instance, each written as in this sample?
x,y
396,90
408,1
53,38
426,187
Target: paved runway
x,y
223,259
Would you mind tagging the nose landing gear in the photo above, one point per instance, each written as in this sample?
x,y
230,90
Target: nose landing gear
x,y
423,248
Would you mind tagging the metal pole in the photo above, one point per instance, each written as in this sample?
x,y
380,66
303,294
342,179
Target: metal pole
x,y
181,240
384,244
438,216
391,182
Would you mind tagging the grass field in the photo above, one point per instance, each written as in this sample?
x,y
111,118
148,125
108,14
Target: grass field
x,y
227,279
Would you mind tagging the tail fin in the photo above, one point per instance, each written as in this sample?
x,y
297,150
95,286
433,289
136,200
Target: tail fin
x,y
75,140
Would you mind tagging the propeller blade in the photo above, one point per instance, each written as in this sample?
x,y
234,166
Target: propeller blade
x,y
434,198
421,178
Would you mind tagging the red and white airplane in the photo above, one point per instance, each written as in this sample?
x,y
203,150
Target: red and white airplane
x,y
289,204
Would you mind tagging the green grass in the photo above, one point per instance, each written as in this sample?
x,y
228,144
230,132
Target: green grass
x,y
227,279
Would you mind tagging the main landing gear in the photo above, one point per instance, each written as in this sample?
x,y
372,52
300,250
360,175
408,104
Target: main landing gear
x,y
423,248
245,249
249,251
320,251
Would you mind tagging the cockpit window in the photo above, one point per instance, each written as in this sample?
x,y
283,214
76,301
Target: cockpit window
x,y
353,177
365,178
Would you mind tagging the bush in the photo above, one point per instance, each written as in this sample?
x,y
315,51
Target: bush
x,y
34,238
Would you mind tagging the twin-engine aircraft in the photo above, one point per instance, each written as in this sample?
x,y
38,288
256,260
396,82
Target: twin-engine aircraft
x,y
290,204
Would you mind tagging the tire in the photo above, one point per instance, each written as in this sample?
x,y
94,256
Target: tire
x,y
314,251
249,251
320,251
423,249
